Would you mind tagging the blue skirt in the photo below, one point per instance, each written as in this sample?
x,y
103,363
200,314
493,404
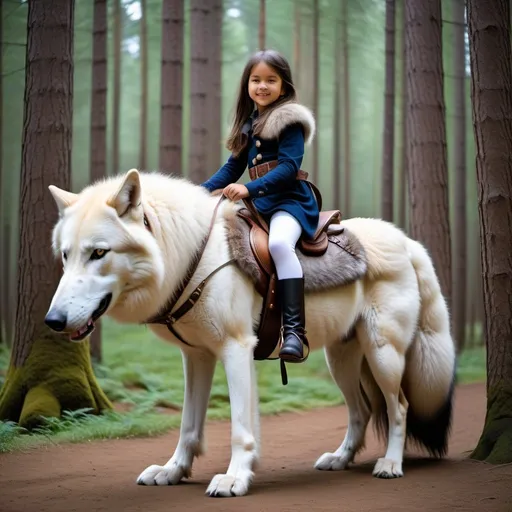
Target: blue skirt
x,y
300,203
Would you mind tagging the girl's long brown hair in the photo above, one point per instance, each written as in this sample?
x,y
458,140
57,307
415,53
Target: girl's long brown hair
x,y
245,106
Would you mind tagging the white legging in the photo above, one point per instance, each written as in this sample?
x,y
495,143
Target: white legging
x,y
284,233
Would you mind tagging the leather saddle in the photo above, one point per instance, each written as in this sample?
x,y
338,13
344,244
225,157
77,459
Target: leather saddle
x,y
266,285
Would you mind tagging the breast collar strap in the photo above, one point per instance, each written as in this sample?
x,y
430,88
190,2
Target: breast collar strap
x,y
167,315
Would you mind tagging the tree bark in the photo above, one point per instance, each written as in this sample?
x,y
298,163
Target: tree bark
x,y
46,374
346,110
403,168
262,26
459,143
428,169
116,96
199,89
143,147
171,95
215,76
316,87
98,156
388,144
491,91
336,154
3,297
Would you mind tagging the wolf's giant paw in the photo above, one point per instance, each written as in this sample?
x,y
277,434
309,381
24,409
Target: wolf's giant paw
x,y
170,474
387,468
230,485
332,462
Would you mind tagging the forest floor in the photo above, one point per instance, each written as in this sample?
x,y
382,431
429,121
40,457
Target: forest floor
x,y
100,475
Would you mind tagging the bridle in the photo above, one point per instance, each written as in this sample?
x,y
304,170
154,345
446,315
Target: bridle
x,y
167,315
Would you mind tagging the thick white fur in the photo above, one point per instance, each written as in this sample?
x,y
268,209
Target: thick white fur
x,y
401,320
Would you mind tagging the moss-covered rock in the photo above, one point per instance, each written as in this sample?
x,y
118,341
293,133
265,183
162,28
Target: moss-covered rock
x,y
56,376
495,444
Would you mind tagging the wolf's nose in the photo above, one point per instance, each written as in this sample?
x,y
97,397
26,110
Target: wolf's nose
x,y
56,320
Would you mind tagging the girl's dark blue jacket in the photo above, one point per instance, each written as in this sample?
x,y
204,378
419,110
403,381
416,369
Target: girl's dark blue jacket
x,y
286,131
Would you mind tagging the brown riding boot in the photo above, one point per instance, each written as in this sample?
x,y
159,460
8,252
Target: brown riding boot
x,y
293,332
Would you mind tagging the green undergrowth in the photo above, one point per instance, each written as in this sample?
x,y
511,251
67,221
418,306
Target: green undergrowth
x,y
471,366
143,377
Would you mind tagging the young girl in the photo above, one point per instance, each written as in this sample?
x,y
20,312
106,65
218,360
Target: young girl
x,y
269,132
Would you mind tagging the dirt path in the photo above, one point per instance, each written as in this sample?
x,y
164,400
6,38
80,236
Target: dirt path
x,y
100,476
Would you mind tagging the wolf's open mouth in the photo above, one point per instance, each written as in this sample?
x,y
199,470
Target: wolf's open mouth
x,y
89,327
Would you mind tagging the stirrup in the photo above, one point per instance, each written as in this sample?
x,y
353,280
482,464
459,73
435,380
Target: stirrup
x,y
304,342
284,374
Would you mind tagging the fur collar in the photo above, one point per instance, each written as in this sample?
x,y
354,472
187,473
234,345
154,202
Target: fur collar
x,y
285,115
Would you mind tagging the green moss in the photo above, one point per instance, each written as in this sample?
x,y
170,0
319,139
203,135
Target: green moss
x,y
56,376
39,401
495,444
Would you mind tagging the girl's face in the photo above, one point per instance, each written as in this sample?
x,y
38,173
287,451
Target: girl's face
x,y
265,85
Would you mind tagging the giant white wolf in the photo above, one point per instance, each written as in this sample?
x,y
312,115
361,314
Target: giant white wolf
x,y
126,244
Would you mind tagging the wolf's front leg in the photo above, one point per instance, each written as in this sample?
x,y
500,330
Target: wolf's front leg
x,y
198,369
239,365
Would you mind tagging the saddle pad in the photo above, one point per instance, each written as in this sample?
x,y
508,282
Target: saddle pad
x,y
343,263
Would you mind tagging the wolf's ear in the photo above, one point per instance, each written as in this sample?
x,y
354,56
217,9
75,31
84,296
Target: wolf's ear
x,y
62,198
128,194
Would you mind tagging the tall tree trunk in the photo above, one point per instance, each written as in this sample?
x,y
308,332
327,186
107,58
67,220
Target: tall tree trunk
x,y
262,27
143,147
403,168
491,91
428,168
459,144
46,373
316,87
306,64
3,297
200,17
214,117
346,109
98,150
116,93
388,144
171,95
336,144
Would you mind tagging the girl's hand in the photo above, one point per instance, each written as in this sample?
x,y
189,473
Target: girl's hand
x,y
236,191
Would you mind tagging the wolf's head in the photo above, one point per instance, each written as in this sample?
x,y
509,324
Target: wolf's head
x,y
111,260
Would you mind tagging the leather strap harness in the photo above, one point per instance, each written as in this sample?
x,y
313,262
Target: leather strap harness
x,y
167,316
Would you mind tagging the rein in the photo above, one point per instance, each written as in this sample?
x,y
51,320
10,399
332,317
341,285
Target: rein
x,y
166,316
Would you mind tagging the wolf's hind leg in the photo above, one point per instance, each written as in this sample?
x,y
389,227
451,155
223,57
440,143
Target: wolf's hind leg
x,y
380,335
198,369
344,362
238,362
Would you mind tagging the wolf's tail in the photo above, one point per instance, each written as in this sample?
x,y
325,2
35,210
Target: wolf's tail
x,y
429,377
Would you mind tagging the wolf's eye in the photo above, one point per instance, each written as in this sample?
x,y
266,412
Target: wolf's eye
x,y
97,254
64,255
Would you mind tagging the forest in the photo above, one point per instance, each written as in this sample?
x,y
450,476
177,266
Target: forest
x,y
413,107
